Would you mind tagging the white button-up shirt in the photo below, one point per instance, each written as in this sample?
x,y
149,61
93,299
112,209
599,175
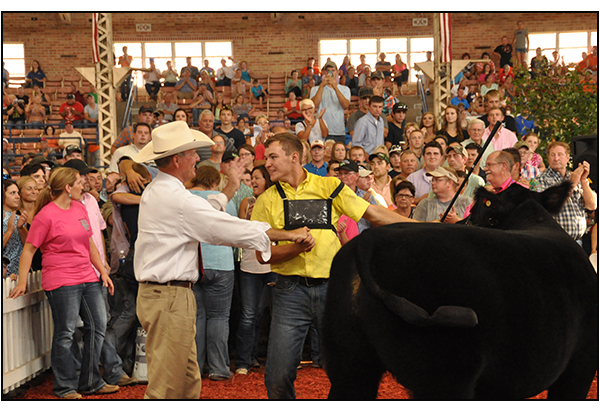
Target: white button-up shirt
x,y
172,221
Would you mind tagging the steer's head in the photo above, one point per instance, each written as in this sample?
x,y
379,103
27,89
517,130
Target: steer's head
x,y
516,203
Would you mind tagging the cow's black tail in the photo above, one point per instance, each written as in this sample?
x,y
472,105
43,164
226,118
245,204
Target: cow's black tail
x,y
447,316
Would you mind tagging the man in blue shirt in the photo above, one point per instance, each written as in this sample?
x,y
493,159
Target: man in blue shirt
x,y
317,166
368,130
460,98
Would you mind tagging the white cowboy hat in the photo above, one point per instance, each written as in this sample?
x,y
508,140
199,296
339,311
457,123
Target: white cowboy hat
x,y
170,139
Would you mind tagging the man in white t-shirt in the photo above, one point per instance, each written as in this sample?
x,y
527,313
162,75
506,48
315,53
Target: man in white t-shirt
x,y
90,112
70,137
141,137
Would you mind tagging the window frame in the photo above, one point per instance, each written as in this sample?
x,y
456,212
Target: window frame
x,y
590,43
144,58
12,74
408,61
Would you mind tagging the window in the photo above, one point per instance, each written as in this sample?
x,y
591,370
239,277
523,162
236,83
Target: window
x,y
570,45
411,50
13,56
176,52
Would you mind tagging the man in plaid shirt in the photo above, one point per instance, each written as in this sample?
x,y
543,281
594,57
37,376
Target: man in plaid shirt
x,y
572,216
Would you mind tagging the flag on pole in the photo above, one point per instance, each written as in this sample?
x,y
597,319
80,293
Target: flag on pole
x,y
95,55
445,35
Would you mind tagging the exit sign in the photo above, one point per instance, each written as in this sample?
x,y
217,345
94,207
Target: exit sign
x,y
147,27
421,21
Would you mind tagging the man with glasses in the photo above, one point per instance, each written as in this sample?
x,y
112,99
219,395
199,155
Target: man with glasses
x,y
476,130
498,170
444,184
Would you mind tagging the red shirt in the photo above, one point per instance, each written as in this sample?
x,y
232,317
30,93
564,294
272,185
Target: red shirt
x,y
70,116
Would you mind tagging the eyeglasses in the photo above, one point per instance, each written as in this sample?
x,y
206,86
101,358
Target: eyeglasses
x,y
493,163
245,155
225,108
406,196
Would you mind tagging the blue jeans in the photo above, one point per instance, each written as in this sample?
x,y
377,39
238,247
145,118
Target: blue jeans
x,y
111,362
67,303
126,322
213,305
295,308
253,291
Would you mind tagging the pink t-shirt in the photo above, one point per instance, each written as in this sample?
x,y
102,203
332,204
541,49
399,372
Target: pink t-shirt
x,y
351,226
63,236
98,224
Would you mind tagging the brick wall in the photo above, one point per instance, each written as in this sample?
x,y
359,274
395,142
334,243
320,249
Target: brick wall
x,y
61,47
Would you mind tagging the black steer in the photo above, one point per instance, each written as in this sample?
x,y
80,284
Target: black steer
x,y
465,312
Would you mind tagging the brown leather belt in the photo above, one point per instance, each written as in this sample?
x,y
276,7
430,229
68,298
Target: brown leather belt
x,y
180,283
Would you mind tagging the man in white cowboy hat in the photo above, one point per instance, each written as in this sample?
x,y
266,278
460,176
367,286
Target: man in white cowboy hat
x,y
172,222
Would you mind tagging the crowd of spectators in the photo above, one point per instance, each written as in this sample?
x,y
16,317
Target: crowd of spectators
x,y
383,156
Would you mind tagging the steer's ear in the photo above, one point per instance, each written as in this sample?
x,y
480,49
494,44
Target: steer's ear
x,y
553,198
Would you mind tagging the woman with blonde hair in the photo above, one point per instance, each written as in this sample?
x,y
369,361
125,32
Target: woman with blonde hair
x,y
312,127
61,230
429,126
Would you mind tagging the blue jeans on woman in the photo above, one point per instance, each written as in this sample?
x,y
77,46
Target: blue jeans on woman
x,y
253,290
67,303
213,305
295,308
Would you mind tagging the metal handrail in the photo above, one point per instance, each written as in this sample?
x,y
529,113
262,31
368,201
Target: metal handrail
x,y
421,93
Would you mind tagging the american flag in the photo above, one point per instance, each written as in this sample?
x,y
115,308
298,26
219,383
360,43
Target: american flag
x,y
445,38
95,55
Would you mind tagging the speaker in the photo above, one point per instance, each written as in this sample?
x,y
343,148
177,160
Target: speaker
x,y
585,148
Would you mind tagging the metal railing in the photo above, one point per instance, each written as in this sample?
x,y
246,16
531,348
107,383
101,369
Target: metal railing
x,y
27,333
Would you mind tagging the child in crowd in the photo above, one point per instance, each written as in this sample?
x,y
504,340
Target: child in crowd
x,y
258,92
533,158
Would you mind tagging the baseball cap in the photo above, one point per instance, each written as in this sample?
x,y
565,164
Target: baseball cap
x,y
379,155
42,160
400,107
458,148
317,143
68,123
395,148
347,165
377,74
444,172
145,108
79,165
521,144
365,92
70,96
229,155
70,149
363,172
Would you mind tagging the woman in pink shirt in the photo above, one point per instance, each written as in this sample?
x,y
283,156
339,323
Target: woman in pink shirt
x,y
61,230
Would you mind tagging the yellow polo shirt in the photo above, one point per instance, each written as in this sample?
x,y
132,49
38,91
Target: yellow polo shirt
x,y
317,262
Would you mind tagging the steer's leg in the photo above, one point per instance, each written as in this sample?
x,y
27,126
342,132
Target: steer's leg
x,y
574,383
354,371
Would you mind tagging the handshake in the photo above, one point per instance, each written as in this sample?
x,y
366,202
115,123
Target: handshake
x,y
303,237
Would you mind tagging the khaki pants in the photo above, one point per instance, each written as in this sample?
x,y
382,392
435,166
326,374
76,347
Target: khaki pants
x,y
168,315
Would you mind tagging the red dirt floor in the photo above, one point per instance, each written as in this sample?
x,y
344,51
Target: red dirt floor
x,y
311,384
